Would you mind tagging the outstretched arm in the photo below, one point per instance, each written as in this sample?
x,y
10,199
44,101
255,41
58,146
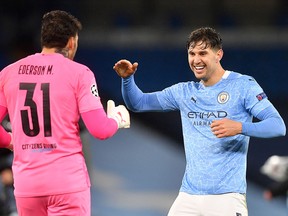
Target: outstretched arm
x,y
98,125
102,125
134,98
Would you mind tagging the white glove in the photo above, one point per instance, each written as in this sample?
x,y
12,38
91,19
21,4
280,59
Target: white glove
x,y
119,113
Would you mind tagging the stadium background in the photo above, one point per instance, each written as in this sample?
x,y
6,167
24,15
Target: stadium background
x,y
153,33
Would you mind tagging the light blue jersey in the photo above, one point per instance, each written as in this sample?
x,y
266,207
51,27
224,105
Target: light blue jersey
x,y
214,165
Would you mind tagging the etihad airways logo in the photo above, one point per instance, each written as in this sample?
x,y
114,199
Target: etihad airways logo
x,y
205,118
207,115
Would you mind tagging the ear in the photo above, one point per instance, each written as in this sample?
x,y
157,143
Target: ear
x,y
71,43
219,55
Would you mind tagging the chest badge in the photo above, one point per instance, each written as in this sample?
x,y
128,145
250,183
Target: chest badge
x,y
223,97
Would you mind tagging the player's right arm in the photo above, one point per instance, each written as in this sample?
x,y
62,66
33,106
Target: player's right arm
x,y
102,125
125,68
134,98
5,137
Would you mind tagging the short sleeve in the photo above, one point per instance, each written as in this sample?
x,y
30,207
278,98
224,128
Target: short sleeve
x,y
87,92
255,98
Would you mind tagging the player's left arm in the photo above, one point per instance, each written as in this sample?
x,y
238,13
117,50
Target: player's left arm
x,y
270,125
270,122
225,127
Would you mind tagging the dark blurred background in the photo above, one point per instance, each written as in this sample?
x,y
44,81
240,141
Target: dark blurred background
x,y
153,33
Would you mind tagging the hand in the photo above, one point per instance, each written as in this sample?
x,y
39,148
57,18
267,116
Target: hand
x,y
119,113
125,68
226,127
267,195
10,146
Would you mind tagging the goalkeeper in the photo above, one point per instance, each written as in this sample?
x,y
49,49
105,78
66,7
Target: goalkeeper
x,y
45,94
216,116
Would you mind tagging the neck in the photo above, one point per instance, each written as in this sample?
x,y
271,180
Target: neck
x,y
63,51
216,77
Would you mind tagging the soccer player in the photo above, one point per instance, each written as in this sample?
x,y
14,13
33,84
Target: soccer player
x,y
216,115
45,94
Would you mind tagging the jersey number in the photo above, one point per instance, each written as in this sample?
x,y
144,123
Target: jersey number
x,y
29,102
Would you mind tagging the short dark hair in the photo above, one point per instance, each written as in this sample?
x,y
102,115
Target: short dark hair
x,y
206,35
57,27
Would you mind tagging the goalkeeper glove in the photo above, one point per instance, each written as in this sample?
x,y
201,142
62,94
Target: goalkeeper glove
x,y
119,113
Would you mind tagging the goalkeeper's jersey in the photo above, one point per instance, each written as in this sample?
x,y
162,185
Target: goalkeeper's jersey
x,y
214,165
45,94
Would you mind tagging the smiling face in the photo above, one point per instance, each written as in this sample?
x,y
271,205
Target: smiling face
x,y
205,62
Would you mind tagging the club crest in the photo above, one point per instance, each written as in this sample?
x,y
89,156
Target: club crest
x,y
223,97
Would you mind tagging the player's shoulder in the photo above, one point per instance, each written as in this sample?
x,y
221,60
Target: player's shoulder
x,y
58,60
80,65
238,77
77,66
10,66
184,86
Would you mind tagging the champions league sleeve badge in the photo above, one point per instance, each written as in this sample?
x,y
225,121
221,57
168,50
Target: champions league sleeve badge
x,y
94,90
261,96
